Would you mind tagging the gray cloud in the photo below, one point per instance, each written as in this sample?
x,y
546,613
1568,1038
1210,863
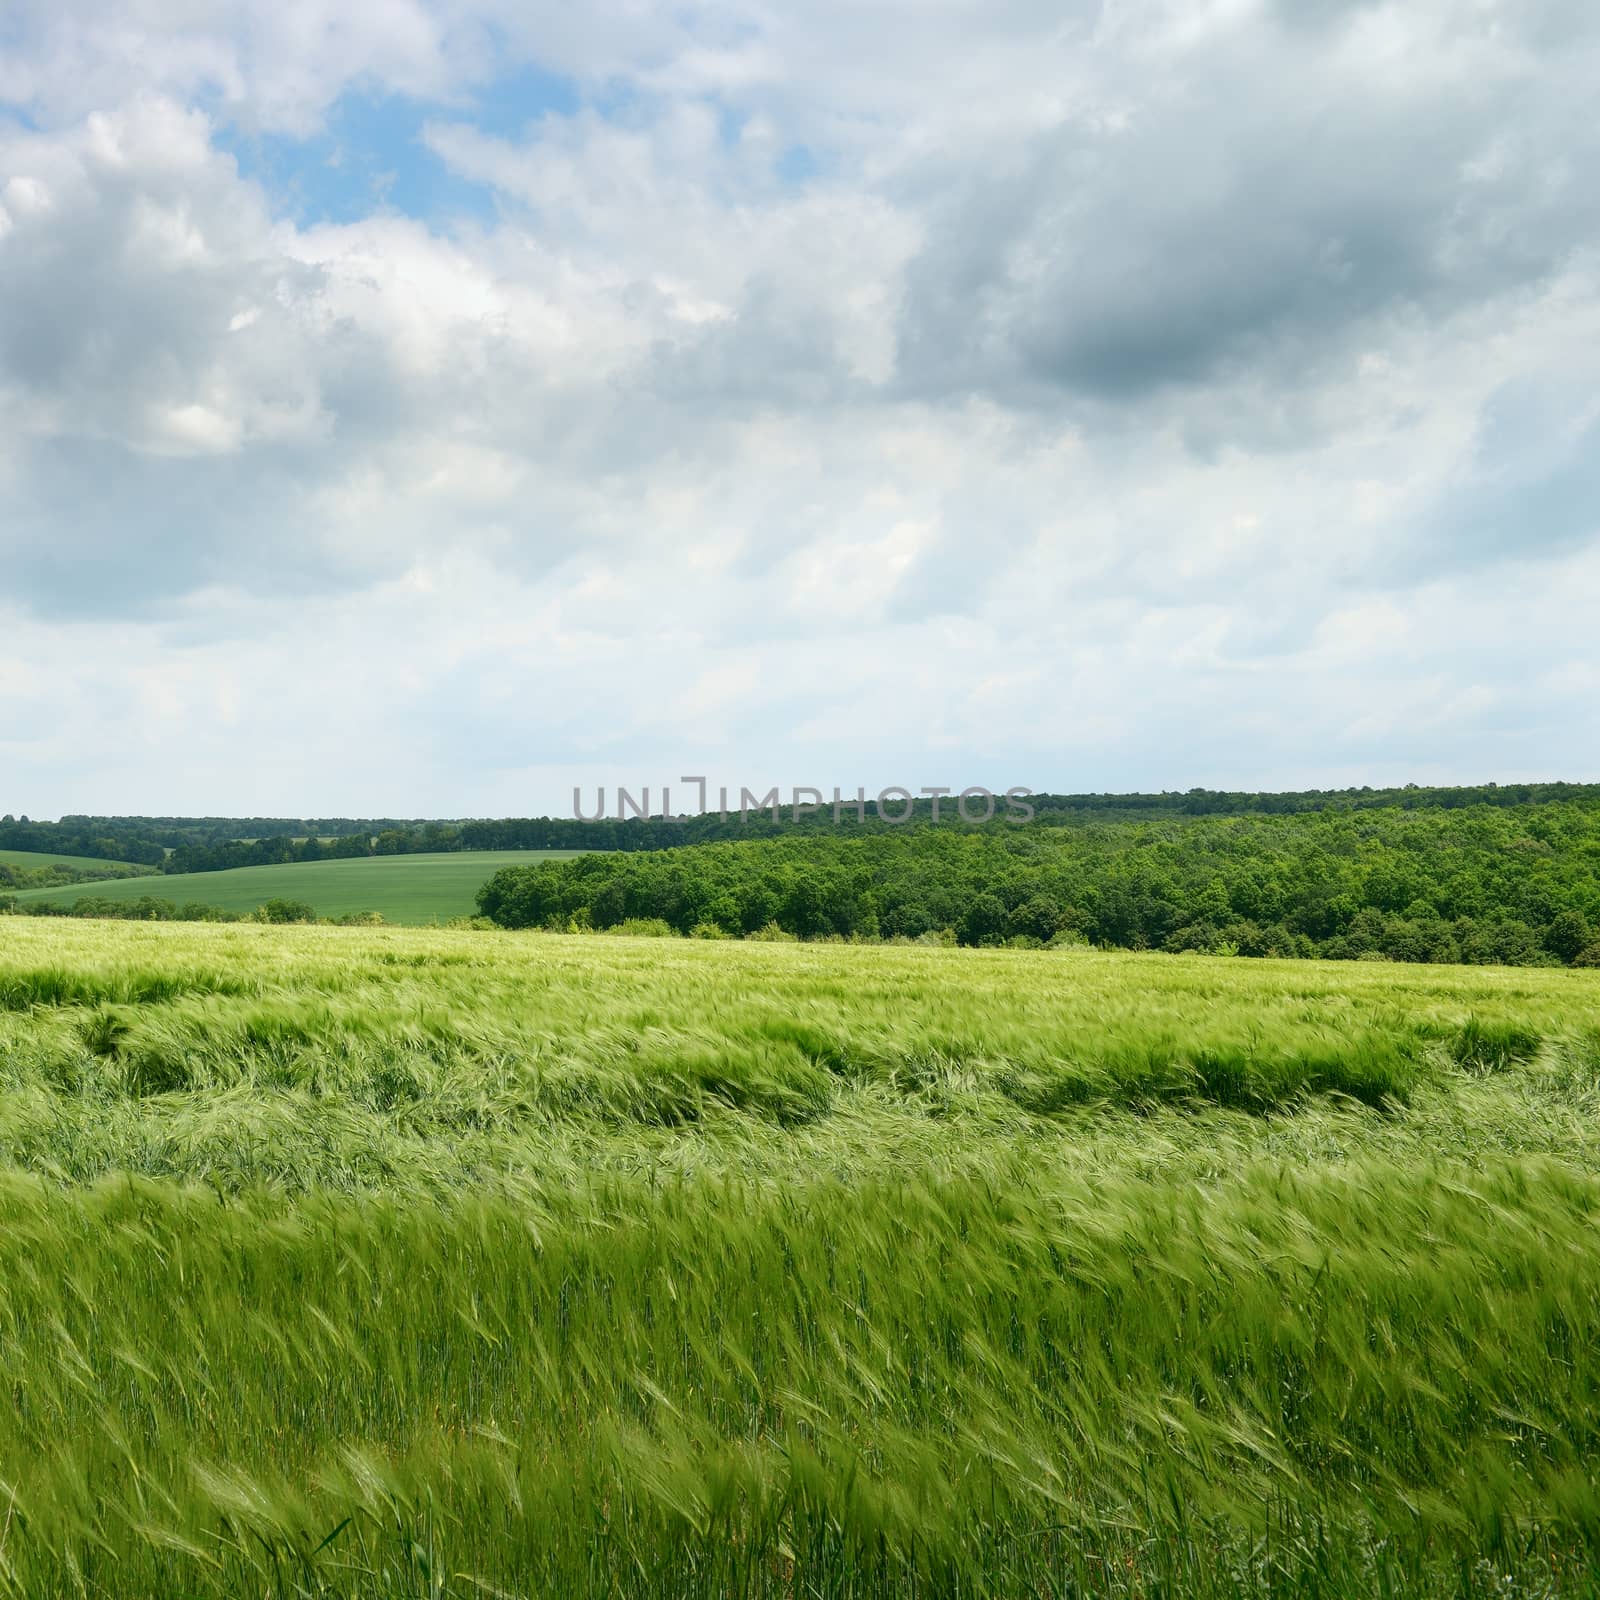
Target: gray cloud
x,y
1264,210
1123,390
1532,487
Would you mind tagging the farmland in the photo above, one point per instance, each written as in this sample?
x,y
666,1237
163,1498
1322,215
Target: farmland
x,y
30,860
388,1261
411,889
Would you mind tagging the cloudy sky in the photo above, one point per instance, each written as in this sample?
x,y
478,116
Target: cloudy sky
x,y
421,406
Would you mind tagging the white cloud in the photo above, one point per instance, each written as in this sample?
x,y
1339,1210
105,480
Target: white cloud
x,y
1154,394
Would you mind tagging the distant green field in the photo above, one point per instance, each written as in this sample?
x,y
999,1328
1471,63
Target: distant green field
x,y
37,858
404,889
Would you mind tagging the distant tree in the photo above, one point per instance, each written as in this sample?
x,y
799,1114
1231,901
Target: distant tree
x,y
1039,918
610,905
1213,904
723,910
1365,933
1515,944
984,920
281,910
1568,935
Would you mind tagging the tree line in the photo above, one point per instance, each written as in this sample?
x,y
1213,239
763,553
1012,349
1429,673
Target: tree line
x,y
1485,883
212,844
159,841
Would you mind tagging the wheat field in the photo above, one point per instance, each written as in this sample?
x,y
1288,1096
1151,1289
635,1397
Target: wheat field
x,y
391,1262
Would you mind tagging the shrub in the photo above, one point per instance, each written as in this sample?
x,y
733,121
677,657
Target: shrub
x,y
1568,935
280,910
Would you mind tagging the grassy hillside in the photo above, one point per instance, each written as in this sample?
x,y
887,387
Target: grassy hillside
x,y
405,889
33,859
369,1262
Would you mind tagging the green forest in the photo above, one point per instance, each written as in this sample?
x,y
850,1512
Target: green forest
x,y
1516,885
1493,875
179,845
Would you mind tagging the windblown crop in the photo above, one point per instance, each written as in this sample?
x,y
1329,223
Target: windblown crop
x,y
378,1262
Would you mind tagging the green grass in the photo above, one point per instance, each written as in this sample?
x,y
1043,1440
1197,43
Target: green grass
x,y
40,858
415,890
398,1262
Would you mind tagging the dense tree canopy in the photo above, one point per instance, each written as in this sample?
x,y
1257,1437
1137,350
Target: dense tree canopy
x,y
213,844
1513,884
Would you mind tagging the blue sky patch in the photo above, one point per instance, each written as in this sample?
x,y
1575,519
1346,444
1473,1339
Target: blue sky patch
x,y
371,155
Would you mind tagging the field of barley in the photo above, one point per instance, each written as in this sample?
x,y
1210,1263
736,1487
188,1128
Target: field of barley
x,y
367,1262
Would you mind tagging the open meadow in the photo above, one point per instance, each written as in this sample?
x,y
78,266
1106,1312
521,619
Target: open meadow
x,y
404,889
401,1262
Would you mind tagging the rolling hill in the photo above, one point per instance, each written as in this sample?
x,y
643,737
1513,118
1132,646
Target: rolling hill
x,y
413,889
32,859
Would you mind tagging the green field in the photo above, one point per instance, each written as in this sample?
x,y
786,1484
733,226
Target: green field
x,y
413,889
398,1262
39,858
